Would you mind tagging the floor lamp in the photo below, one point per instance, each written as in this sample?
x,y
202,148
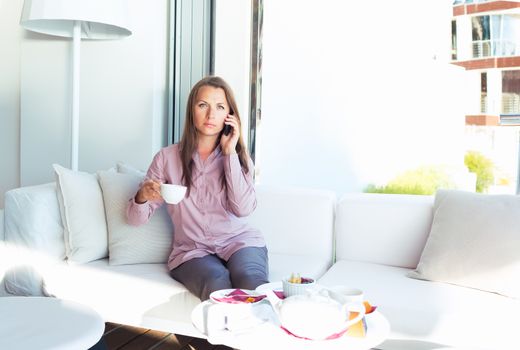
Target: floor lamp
x,y
76,19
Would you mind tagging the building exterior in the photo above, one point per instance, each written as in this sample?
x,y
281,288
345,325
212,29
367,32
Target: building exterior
x,y
486,43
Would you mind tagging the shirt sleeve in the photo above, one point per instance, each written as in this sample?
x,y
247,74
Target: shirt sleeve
x,y
136,213
241,196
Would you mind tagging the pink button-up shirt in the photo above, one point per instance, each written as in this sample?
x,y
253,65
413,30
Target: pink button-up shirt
x,y
209,220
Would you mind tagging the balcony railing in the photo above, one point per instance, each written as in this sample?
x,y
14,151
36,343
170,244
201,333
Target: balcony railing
x,y
497,48
510,119
481,48
510,103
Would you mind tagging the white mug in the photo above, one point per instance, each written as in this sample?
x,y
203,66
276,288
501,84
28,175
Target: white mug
x,y
350,294
173,194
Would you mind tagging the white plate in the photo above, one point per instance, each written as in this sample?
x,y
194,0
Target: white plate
x,y
224,292
276,286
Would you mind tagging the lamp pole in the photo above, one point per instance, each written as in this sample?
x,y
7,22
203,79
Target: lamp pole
x,y
96,19
76,46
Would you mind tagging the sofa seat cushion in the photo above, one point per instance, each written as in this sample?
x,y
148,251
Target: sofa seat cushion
x,y
142,295
423,311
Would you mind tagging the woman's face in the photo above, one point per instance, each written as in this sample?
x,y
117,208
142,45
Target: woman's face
x,y
209,110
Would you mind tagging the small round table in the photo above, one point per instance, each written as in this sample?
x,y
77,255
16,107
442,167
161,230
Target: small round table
x,y
269,334
48,323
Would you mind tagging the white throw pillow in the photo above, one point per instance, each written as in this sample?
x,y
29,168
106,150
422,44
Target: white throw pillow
x,y
474,242
32,219
82,215
128,169
127,244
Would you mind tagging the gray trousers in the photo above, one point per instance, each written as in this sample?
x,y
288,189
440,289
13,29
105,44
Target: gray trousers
x,y
247,268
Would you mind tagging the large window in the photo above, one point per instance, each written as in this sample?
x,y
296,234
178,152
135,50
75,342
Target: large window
x,y
511,92
483,92
496,35
507,38
481,36
453,40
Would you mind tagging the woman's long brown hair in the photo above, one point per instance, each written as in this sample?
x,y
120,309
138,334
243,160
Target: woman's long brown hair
x,y
189,141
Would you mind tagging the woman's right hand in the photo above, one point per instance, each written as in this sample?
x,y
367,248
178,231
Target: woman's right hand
x,y
150,191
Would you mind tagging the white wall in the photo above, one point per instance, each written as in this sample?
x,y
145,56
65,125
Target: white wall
x,y
355,93
122,97
10,34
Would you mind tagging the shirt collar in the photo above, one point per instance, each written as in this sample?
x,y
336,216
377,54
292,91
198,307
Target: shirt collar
x,y
214,155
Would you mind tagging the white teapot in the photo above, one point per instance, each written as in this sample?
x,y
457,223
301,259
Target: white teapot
x,y
317,314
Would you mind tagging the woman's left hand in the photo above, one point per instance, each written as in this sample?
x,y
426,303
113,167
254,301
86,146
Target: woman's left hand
x,y
229,142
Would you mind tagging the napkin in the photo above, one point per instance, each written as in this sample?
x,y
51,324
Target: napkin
x,y
369,308
279,294
238,296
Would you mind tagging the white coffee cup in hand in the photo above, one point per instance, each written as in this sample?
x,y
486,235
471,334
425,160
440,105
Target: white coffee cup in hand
x,y
173,194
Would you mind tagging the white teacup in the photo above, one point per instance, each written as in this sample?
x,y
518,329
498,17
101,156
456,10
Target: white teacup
x,y
350,294
173,194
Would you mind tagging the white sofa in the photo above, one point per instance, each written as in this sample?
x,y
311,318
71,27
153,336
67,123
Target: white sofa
x,y
369,241
297,225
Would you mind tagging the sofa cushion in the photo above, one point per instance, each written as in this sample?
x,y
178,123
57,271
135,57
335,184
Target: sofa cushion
x,y
127,244
431,315
82,215
474,242
389,229
32,219
296,221
137,295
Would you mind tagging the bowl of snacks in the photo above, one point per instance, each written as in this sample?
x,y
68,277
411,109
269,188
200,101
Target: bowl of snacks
x,y
296,285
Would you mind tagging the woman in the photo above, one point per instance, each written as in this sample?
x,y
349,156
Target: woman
x,y
212,247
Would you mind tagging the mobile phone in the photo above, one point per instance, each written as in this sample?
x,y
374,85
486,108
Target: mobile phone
x,y
227,129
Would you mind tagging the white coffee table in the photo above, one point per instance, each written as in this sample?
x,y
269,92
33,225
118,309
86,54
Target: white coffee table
x,y
47,323
269,335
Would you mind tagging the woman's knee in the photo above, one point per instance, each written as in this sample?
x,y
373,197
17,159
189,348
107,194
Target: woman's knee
x,y
201,277
248,267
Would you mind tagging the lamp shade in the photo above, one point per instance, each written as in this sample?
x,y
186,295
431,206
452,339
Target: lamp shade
x,y
100,19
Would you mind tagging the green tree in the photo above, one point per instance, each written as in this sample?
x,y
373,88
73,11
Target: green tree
x,y
423,180
482,167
